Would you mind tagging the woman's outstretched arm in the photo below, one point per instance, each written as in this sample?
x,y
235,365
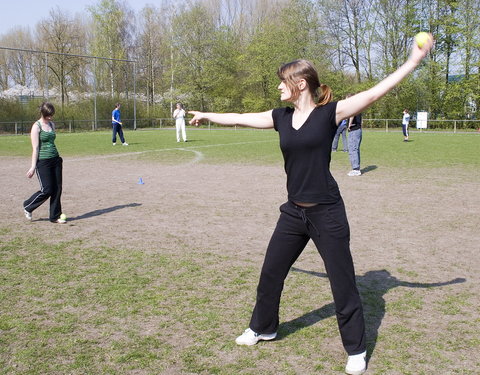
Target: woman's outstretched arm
x,y
260,120
357,103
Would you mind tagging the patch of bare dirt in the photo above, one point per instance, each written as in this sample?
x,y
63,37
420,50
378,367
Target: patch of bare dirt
x,y
410,228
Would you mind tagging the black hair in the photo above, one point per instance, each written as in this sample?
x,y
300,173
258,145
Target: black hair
x,y
47,109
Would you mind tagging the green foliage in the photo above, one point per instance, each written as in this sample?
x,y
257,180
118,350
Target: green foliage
x,y
216,60
225,92
78,113
193,33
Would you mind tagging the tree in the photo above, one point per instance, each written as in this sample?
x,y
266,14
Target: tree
x,y
292,32
64,35
152,51
469,51
351,34
192,43
17,67
111,33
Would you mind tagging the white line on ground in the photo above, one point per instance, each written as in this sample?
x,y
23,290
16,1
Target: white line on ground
x,y
198,156
192,149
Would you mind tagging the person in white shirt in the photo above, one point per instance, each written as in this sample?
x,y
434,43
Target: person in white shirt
x,y
179,116
405,121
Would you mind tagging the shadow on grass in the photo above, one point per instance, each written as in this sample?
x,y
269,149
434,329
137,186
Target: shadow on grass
x,y
368,169
103,211
372,287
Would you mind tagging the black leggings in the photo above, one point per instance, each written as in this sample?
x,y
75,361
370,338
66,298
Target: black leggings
x,y
49,173
327,226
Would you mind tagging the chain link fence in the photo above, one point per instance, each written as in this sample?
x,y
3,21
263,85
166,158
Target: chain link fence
x,y
386,125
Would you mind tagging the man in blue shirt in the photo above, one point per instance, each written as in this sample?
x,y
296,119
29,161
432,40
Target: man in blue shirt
x,y
117,126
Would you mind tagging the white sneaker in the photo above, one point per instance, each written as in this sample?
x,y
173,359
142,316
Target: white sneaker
x,y
356,364
250,337
113,144
354,172
28,215
125,144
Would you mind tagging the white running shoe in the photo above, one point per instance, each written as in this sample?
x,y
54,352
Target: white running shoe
x,y
356,364
354,172
28,215
113,144
124,144
250,337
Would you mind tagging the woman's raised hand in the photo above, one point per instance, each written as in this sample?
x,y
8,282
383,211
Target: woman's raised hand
x,y
418,53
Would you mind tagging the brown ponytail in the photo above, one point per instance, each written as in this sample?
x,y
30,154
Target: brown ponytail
x,y
324,95
292,72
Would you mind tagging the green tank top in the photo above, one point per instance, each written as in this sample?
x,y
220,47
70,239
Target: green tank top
x,y
47,149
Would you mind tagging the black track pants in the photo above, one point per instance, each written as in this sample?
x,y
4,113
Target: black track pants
x,y
49,173
327,226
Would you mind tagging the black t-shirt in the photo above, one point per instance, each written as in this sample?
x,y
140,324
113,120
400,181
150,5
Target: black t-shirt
x,y
356,122
307,153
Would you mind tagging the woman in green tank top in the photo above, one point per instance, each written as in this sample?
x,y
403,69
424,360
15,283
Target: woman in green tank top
x,y
47,164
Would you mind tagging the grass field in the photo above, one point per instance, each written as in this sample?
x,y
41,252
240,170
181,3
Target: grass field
x,y
261,147
160,278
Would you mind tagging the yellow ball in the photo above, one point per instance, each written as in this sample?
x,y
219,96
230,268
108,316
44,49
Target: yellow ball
x,y
63,217
421,38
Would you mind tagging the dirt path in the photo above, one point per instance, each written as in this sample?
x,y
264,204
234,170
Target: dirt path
x,y
396,216
409,227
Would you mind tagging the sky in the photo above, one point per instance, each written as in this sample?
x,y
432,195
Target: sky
x,y
30,12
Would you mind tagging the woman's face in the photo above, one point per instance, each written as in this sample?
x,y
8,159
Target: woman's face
x,y
285,92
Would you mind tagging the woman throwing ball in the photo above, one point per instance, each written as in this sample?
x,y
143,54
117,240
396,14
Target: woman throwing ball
x,y
315,208
47,164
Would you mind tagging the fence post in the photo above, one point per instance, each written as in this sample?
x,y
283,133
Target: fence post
x,y
16,129
70,126
386,125
454,126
